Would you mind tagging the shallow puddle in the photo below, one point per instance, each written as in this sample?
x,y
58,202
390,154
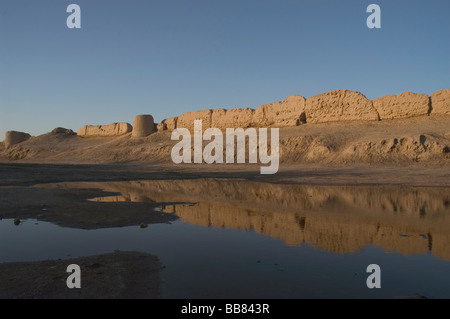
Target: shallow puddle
x,y
256,240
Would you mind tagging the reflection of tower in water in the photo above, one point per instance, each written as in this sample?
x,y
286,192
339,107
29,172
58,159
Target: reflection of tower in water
x,y
338,219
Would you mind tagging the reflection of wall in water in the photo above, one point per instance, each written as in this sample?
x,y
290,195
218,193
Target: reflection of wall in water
x,y
337,233
334,218
419,202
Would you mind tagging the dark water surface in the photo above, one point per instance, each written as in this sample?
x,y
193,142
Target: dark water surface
x,y
257,240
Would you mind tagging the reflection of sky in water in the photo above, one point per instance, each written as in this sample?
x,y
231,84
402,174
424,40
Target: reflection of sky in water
x,y
219,262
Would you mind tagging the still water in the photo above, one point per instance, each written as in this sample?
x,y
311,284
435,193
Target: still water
x,y
257,240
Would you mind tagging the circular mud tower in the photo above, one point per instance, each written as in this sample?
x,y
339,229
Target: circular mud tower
x,y
13,137
143,126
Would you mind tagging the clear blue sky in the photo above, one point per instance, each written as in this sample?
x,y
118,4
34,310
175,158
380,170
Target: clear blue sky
x,y
167,57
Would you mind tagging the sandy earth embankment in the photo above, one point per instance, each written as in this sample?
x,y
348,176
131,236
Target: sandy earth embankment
x,y
424,139
398,153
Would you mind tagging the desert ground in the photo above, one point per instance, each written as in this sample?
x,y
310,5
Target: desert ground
x,y
49,177
101,273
